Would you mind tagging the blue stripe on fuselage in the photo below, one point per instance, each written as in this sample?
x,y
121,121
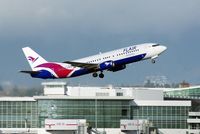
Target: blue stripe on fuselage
x,y
44,74
80,72
130,59
117,62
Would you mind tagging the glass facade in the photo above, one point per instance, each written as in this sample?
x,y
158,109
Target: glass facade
x,y
18,114
100,113
107,112
190,92
163,116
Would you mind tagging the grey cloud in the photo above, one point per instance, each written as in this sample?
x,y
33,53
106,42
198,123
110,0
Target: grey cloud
x,y
111,16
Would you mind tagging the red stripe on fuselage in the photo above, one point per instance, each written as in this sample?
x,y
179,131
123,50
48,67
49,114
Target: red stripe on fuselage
x,y
58,69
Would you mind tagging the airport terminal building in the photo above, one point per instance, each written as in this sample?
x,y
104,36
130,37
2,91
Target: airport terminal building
x,y
110,110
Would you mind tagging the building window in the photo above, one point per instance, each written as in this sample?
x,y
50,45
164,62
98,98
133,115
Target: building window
x,y
54,86
102,94
120,94
124,112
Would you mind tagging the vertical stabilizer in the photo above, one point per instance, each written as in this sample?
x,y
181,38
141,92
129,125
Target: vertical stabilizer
x,y
33,58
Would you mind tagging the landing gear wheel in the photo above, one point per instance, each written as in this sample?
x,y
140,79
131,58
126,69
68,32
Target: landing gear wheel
x,y
153,61
95,74
101,75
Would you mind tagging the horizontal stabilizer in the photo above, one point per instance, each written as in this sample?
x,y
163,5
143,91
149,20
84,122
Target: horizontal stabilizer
x,y
29,72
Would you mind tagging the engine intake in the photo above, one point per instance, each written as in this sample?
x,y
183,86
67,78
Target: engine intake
x,y
117,68
106,65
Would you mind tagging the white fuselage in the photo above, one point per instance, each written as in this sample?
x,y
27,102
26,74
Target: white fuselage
x,y
125,53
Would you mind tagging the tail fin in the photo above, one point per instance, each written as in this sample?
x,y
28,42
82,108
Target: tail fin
x,y
33,58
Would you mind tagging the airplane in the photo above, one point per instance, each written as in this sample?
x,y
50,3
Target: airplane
x,y
114,61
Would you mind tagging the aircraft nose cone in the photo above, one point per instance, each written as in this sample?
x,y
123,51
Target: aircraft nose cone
x,y
163,48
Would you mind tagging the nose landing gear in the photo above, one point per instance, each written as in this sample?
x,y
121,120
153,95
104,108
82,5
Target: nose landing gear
x,y
153,61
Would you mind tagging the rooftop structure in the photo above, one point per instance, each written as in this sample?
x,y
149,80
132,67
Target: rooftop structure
x,y
187,92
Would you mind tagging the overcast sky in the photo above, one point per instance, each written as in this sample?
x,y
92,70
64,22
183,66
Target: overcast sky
x,y
70,29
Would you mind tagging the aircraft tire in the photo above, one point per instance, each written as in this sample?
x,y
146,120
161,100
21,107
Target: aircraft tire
x,y
95,74
101,75
153,61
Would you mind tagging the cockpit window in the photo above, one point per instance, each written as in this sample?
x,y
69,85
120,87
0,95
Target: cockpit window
x,y
155,45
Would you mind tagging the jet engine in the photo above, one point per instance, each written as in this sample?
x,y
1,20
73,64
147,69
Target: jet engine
x,y
106,65
117,68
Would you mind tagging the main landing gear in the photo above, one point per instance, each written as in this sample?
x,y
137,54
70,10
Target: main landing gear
x,y
95,74
101,75
153,61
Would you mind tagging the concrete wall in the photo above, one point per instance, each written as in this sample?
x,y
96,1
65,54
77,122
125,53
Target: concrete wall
x,y
172,131
144,94
89,91
136,93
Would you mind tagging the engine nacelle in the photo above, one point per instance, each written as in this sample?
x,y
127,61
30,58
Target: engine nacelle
x,y
106,65
117,68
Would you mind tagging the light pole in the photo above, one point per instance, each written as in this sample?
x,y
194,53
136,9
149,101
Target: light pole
x,y
26,124
96,113
26,120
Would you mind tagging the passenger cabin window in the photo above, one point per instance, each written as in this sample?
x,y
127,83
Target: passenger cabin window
x,y
155,45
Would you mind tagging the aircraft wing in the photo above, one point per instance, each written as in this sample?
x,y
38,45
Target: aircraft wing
x,y
83,65
29,72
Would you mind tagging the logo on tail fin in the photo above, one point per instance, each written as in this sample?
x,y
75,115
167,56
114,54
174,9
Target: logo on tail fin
x,y
32,59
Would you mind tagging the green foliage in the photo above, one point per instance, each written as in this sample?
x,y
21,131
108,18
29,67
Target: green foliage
x,y
21,91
